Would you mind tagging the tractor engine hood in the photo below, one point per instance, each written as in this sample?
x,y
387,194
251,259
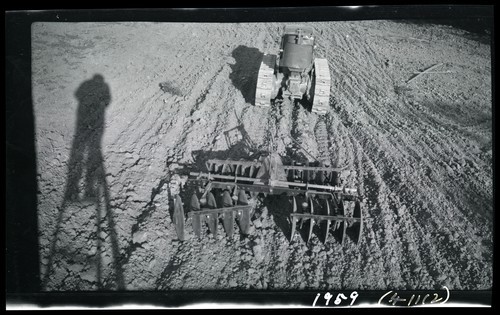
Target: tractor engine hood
x,y
296,57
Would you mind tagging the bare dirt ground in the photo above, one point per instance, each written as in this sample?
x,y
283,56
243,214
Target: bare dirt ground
x,y
420,153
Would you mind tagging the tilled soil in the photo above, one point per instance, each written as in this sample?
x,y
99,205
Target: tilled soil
x,y
420,153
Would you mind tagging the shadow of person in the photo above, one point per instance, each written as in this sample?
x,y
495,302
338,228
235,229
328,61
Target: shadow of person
x,y
86,180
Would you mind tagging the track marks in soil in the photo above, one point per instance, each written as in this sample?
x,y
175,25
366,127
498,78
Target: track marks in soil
x,y
392,116
398,204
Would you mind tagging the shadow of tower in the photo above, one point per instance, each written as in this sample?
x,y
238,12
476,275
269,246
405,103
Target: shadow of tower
x,y
86,179
86,155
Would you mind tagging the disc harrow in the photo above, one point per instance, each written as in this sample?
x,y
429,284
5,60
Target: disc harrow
x,y
227,193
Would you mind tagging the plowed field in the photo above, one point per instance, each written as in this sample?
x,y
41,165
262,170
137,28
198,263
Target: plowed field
x,y
124,110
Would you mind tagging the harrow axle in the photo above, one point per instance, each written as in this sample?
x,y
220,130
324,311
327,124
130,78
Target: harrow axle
x,y
319,217
217,211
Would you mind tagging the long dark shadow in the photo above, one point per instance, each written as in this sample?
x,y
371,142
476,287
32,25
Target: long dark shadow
x,y
245,70
86,179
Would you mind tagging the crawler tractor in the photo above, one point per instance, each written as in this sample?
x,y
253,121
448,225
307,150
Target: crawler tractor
x,y
229,189
294,73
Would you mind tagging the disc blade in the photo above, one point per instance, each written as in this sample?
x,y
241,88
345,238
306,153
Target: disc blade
x,y
245,221
327,223
303,207
294,227
195,203
212,218
211,201
311,221
195,206
292,218
358,226
342,225
320,178
327,230
311,225
228,217
179,217
227,201
335,180
242,197
228,222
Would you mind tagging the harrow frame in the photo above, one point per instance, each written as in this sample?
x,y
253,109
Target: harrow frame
x,y
231,181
